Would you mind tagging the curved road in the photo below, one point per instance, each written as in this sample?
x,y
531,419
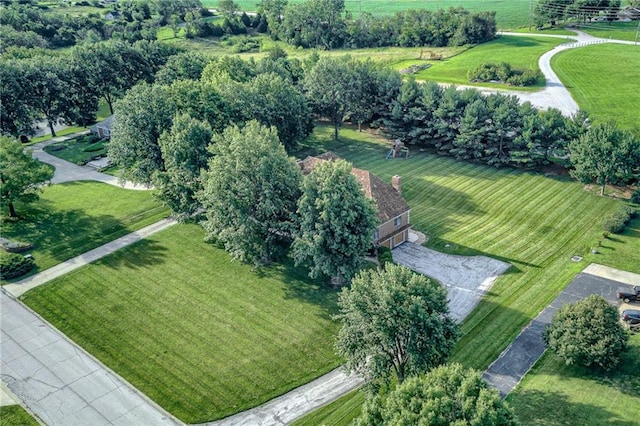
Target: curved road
x,y
554,94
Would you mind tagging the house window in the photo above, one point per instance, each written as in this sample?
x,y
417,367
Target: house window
x,y
397,221
376,235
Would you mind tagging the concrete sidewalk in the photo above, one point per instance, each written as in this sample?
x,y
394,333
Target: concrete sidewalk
x,y
518,358
60,382
19,288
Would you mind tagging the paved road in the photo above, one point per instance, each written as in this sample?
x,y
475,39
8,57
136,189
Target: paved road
x,y
512,365
60,382
69,172
555,94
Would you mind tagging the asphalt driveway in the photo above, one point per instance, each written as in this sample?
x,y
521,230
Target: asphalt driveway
x,y
511,366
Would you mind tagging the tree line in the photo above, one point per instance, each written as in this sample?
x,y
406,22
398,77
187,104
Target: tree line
x,y
324,24
553,11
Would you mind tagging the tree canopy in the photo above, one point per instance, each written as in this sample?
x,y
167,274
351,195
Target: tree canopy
x,y
250,193
394,320
447,395
21,175
588,333
605,154
336,222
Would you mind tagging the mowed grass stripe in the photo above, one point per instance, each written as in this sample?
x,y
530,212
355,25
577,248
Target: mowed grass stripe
x,y
603,79
200,335
534,222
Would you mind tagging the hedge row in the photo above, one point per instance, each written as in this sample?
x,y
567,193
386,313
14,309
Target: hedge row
x,y
13,265
619,219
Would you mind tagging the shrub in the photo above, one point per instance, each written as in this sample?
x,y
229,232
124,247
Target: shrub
x,y
587,332
384,256
635,196
13,265
502,72
617,221
94,147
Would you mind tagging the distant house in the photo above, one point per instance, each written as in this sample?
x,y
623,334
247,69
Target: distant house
x,y
103,128
629,13
112,16
393,212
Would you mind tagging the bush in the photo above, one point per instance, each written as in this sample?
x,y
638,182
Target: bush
x,y
503,73
13,265
94,147
635,196
384,256
619,219
588,333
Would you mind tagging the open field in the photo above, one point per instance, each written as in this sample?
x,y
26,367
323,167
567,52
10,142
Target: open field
x,y
554,393
603,79
72,218
534,222
509,13
520,52
15,415
202,336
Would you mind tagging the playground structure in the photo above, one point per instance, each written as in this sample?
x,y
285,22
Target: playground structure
x,y
398,149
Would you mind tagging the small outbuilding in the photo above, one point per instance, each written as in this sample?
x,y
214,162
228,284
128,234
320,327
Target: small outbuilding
x,y
103,128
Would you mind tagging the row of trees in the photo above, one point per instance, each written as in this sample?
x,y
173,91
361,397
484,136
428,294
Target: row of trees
x,y
324,24
553,11
68,88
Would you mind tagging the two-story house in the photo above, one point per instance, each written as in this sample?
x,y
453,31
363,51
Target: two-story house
x,y
393,212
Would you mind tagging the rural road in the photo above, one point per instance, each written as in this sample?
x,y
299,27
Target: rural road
x,y
554,94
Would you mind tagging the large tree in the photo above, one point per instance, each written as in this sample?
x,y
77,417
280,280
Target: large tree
x,y
394,321
140,118
605,154
21,175
250,193
184,153
587,332
337,222
447,395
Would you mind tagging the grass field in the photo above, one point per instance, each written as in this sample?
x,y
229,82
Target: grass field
x,y
79,149
520,52
15,415
534,222
554,393
72,218
603,79
201,335
509,13
340,412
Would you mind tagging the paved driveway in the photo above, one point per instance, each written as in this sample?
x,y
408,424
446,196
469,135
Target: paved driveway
x,y
511,366
467,278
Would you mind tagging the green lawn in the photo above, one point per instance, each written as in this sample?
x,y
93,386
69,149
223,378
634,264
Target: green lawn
x,y
80,149
340,412
603,79
72,218
509,13
520,52
63,132
201,335
534,222
554,393
614,30
15,415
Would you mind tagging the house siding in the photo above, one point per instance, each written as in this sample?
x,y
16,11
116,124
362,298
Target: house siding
x,y
392,236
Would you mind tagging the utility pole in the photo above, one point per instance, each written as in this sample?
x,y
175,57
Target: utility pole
x,y
530,15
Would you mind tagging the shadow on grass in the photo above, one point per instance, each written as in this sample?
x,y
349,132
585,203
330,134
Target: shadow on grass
x,y
139,255
298,285
554,408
